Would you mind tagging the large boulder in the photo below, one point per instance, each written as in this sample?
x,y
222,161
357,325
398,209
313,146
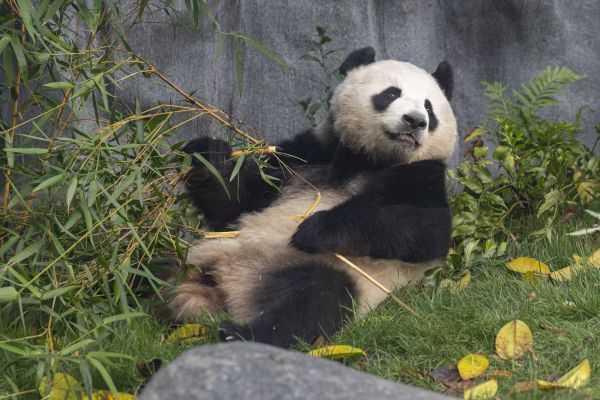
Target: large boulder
x,y
257,371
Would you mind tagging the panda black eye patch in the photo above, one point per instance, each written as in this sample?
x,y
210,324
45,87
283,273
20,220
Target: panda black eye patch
x,y
433,122
383,100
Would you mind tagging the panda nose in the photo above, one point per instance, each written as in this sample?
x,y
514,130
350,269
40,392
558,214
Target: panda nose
x,y
415,121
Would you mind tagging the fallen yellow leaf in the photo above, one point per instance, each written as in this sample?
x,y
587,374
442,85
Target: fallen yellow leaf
x,y
486,390
461,284
594,259
472,365
513,340
575,378
524,386
62,386
587,191
65,387
336,352
526,264
565,274
187,332
532,278
107,395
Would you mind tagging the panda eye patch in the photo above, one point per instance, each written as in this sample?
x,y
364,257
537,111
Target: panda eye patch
x,y
382,100
433,121
428,107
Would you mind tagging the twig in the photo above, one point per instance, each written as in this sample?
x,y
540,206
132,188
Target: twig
x,y
402,304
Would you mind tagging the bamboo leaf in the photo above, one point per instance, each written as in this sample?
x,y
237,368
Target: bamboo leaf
x,y
262,48
50,182
212,170
59,85
71,191
238,57
8,294
26,253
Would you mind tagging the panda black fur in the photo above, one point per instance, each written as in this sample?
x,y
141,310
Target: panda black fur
x,y
379,162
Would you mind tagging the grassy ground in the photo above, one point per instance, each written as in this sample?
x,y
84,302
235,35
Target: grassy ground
x,y
402,349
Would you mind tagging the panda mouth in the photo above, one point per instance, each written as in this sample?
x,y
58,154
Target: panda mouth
x,y
406,137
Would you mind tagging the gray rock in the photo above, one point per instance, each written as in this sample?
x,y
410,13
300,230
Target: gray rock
x,y
262,372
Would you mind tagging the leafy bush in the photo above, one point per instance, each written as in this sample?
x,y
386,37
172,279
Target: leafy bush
x,y
519,162
92,187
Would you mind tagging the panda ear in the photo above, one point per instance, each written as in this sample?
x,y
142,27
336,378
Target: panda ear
x,y
359,57
445,78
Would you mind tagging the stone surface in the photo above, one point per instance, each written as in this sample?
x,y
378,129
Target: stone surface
x,y
257,371
508,41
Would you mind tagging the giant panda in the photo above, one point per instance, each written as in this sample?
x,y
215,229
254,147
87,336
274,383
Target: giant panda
x,y
378,161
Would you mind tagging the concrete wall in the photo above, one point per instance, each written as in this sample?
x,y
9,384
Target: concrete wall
x,y
504,40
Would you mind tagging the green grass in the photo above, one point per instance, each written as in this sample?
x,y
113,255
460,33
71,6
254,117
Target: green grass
x,y
399,347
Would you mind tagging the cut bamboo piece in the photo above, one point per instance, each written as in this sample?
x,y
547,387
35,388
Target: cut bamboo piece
x,y
220,235
308,213
259,151
402,304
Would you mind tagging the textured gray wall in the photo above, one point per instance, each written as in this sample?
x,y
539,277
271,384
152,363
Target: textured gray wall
x,y
505,40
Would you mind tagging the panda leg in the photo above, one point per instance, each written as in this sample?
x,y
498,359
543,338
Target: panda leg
x,y
301,301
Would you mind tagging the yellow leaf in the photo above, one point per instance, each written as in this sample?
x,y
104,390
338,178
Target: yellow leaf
x,y
107,395
532,279
187,332
62,387
594,259
513,340
472,365
524,386
565,274
461,284
526,264
336,352
575,378
486,390
587,191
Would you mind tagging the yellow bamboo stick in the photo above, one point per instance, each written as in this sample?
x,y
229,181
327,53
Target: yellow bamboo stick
x,y
402,304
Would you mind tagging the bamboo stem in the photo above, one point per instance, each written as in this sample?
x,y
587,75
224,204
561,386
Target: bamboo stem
x,y
11,132
402,304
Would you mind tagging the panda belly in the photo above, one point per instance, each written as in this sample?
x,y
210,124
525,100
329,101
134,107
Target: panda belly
x,y
238,265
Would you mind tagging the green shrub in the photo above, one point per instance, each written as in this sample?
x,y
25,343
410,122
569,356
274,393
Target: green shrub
x,y
518,163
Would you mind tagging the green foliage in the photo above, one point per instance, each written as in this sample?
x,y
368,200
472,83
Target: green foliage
x,y
91,188
519,162
327,64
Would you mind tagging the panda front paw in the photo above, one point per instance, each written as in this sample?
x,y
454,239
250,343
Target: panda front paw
x,y
216,151
310,235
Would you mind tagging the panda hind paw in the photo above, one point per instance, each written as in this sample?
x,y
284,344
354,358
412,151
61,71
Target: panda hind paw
x,y
231,332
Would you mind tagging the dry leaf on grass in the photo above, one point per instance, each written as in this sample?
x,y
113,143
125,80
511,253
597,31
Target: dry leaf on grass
x,y
524,386
513,340
449,376
461,284
575,378
486,390
64,386
187,332
527,264
499,373
336,352
472,365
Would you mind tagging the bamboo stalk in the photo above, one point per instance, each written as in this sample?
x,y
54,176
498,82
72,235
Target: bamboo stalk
x,y
260,151
402,304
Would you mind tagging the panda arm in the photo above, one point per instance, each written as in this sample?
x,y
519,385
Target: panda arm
x,y
247,192
308,147
402,214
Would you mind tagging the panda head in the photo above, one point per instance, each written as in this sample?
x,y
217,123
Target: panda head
x,y
394,111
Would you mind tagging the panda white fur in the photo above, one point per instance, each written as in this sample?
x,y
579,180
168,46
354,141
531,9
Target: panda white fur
x,y
378,161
